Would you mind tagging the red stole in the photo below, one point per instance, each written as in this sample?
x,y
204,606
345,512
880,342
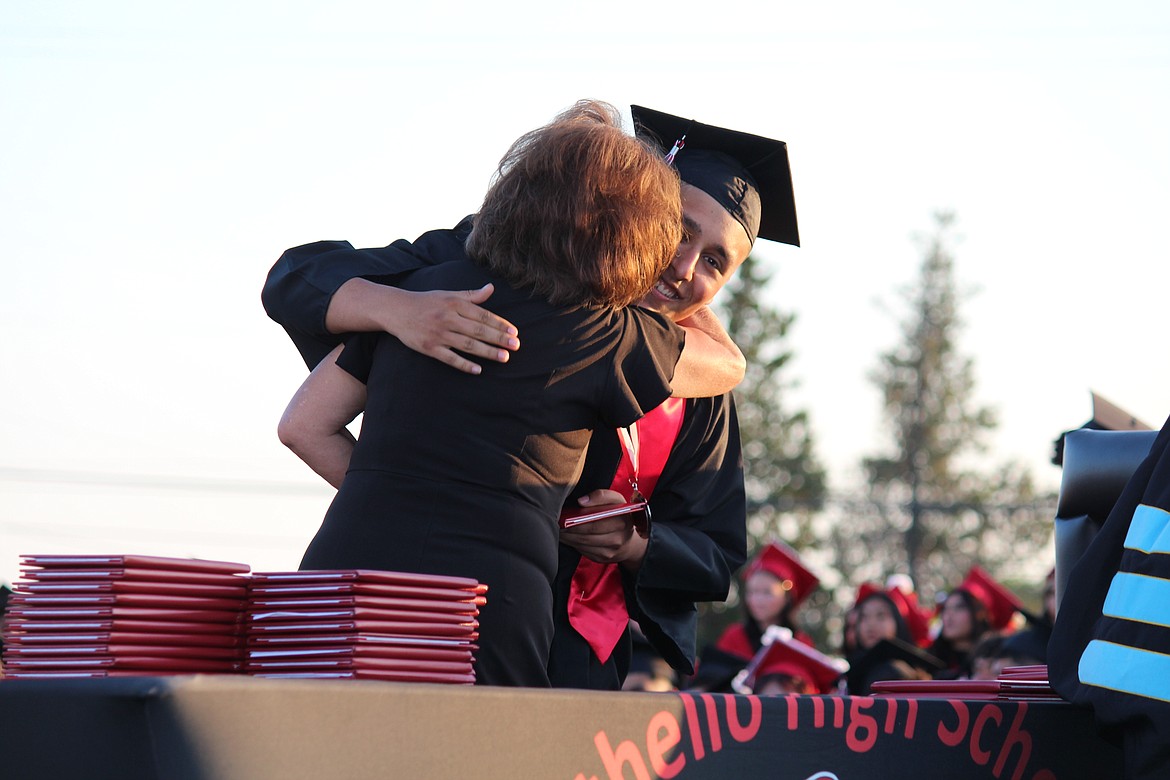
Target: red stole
x,y
597,600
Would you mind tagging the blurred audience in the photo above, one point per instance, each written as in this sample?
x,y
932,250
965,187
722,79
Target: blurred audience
x,y
978,630
775,582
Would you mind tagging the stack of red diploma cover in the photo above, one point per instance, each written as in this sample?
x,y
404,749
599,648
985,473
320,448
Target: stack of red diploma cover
x,y
1015,683
109,615
342,624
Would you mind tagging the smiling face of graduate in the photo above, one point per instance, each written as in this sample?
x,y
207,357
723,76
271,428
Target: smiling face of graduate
x,y
714,245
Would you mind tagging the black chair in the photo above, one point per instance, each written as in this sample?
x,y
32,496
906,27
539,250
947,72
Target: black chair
x,y
1097,467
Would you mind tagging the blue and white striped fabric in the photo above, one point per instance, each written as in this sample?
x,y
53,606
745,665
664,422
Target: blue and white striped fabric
x,y
1135,601
1110,647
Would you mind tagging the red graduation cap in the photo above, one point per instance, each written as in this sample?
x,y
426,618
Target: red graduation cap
x,y
1001,603
865,590
794,658
781,561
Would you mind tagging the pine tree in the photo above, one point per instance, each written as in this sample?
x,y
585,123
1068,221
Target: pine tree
x,y
785,482
930,511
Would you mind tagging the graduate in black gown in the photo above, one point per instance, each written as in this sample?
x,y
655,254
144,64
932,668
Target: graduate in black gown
x,y
891,631
736,187
977,608
463,474
697,539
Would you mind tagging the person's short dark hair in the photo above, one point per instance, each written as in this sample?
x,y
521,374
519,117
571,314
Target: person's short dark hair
x,y
1026,647
989,646
580,212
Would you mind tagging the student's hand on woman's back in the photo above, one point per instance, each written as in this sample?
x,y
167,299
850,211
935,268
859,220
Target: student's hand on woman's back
x,y
449,325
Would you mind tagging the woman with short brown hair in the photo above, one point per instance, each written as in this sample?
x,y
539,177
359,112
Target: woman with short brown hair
x,y
597,206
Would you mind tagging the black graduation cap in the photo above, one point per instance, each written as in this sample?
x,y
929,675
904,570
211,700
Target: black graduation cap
x,y
882,662
746,174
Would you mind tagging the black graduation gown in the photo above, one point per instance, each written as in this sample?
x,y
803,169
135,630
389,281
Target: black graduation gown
x,y
1110,646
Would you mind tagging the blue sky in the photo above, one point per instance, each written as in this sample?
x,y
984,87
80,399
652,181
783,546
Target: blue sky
x,y
159,157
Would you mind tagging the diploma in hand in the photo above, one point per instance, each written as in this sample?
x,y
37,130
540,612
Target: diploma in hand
x,y
638,513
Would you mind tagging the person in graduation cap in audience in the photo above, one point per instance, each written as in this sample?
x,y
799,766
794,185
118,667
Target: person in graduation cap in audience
x,y
788,666
978,606
736,188
890,612
775,583
891,630
466,475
